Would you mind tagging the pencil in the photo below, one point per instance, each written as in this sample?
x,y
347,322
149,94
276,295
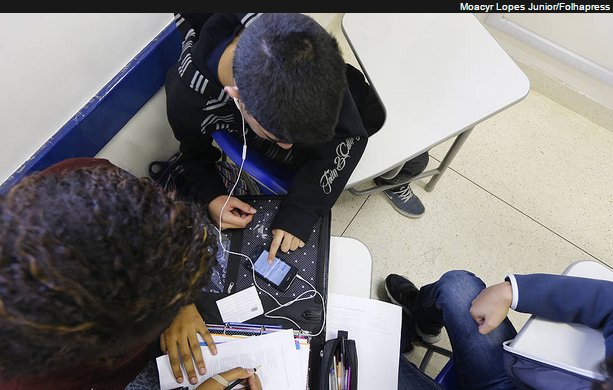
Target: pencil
x,y
334,380
338,375
236,382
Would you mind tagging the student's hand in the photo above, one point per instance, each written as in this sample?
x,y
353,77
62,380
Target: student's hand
x,y
237,213
252,382
284,241
181,343
491,306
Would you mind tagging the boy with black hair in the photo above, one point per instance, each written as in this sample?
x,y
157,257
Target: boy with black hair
x,y
303,106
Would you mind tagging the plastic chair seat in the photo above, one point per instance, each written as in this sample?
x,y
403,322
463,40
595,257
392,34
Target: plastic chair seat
x,y
447,377
273,178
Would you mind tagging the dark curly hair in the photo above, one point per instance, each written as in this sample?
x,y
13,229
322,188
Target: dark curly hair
x,y
291,77
94,263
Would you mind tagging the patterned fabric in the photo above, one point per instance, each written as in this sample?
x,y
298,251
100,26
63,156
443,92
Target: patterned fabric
x,y
147,379
229,173
169,175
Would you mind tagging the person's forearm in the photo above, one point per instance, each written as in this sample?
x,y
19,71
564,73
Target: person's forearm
x,y
569,299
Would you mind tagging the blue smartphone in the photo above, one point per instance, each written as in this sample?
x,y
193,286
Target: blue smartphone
x,y
280,274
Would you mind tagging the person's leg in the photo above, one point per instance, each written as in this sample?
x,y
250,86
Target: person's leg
x,y
478,357
407,333
402,198
410,377
372,113
415,166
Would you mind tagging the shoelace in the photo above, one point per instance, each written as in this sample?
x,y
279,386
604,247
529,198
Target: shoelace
x,y
404,193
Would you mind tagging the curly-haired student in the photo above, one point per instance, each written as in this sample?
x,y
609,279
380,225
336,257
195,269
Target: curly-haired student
x,y
94,265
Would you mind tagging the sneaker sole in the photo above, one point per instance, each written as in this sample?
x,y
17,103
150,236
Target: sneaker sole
x,y
401,211
427,338
395,302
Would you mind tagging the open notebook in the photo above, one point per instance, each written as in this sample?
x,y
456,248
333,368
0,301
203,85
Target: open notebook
x,y
573,347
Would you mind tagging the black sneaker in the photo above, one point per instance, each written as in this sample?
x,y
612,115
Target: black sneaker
x,y
401,291
403,199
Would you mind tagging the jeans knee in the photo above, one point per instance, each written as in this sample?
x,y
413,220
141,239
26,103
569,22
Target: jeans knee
x,y
460,283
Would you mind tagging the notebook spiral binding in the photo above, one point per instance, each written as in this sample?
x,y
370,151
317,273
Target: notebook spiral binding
x,y
246,329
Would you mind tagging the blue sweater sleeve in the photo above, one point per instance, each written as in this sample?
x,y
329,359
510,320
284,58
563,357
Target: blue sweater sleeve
x,y
569,299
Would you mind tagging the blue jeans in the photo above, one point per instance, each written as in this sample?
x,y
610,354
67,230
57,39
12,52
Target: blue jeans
x,y
410,377
478,358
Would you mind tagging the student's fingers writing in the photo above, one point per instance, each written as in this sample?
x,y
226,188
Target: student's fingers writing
x,y
254,382
237,373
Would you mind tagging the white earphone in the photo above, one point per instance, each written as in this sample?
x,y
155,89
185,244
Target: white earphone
x,y
304,294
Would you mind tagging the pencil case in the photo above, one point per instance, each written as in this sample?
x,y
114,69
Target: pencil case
x,y
339,364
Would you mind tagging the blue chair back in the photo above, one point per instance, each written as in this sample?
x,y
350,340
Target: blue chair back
x,y
447,377
272,178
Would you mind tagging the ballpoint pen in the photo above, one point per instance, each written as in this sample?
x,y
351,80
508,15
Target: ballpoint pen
x,y
236,382
349,377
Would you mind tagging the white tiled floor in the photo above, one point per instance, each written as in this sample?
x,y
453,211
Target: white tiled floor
x,y
530,191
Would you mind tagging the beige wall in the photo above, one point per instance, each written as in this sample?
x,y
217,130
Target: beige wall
x,y
567,57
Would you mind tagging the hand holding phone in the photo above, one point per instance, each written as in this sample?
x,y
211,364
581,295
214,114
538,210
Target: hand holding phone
x,y
280,273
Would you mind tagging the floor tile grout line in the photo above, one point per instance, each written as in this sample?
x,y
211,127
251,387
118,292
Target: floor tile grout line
x,y
523,213
355,215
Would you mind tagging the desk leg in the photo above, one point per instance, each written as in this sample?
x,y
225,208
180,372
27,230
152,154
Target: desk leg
x,y
453,150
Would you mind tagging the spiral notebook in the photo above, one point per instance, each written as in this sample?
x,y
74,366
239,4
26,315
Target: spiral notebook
x,y
280,357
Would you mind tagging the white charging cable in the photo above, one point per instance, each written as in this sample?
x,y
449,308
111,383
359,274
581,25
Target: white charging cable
x,y
300,296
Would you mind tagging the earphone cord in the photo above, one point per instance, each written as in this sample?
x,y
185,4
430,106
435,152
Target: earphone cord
x,y
279,305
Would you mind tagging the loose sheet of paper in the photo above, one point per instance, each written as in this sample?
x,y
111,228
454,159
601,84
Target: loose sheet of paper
x,y
375,326
303,349
241,306
275,353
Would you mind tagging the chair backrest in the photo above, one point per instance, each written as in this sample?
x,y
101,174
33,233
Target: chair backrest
x,y
273,178
447,377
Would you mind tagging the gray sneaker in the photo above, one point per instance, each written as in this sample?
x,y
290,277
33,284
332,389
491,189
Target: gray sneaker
x,y
403,199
